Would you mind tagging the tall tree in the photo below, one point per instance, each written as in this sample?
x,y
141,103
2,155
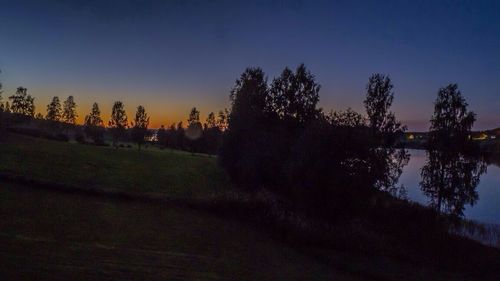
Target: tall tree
x,y
386,161
451,122
6,107
140,126
22,103
222,119
179,136
245,144
211,123
2,107
211,135
161,136
379,98
54,110
194,116
294,96
194,130
94,127
454,166
118,122
69,114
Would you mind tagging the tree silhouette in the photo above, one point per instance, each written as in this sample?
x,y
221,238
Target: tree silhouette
x,y
210,122
39,116
69,114
329,167
454,166
347,118
54,110
450,178
2,107
93,126
161,136
212,135
118,122
140,126
244,149
171,136
194,131
194,116
379,98
222,119
22,103
179,136
7,107
294,96
451,122
387,162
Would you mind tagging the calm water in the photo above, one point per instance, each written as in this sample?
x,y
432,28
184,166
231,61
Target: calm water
x,y
487,207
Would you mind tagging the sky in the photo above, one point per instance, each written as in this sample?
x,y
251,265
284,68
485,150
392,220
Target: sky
x,y
172,55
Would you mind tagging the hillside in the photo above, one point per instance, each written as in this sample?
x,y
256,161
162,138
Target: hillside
x,y
160,239
173,174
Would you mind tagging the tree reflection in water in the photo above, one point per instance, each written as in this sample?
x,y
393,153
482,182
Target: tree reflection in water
x,y
450,179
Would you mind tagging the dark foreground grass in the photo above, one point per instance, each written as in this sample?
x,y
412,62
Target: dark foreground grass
x,y
95,235
47,235
171,173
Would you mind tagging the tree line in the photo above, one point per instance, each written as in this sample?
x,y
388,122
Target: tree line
x,y
276,137
333,164
196,137
280,140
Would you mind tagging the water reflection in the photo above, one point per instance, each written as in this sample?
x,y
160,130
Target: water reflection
x,y
450,179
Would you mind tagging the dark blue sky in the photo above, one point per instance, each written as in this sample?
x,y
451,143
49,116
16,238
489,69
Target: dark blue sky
x,y
172,55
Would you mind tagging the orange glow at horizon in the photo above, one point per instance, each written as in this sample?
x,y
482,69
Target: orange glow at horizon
x,y
162,111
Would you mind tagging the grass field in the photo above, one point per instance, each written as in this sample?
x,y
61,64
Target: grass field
x,y
49,234
52,235
46,234
172,173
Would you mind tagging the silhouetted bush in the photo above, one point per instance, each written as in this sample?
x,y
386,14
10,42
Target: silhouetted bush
x,y
329,167
79,138
38,133
327,172
61,137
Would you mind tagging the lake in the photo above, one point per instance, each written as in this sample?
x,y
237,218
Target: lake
x,y
487,207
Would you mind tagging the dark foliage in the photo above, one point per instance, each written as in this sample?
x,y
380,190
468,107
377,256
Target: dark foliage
x,y
247,151
454,165
80,138
451,122
118,123
38,133
22,103
140,127
327,166
450,178
54,110
93,126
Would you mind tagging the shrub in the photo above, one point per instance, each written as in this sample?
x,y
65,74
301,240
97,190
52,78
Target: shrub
x,y
61,137
80,138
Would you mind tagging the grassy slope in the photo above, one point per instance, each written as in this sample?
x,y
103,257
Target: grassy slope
x,y
170,173
173,173
48,234
52,235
